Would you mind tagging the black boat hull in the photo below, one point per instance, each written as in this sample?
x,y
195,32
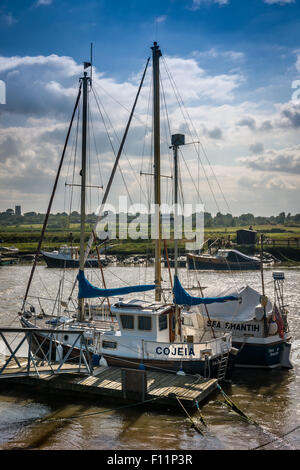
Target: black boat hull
x,y
53,262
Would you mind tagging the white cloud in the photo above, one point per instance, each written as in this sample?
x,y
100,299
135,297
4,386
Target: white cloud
x,y
41,95
286,160
214,54
197,84
160,19
43,2
197,3
256,148
279,2
7,19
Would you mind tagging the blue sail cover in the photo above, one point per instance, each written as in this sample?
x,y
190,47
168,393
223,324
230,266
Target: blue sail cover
x,y
181,297
88,291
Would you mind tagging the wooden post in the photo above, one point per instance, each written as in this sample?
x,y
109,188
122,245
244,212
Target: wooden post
x,y
134,384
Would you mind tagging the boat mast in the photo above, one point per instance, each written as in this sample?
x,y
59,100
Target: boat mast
x,y
85,80
177,140
156,54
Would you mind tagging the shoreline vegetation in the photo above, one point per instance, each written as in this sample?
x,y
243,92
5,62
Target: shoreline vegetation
x,y
281,234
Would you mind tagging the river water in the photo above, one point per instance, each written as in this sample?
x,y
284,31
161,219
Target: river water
x,y
271,398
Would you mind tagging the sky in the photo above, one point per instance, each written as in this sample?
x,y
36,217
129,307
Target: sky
x,y
235,65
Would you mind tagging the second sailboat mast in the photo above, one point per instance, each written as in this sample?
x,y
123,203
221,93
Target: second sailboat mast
x,y
156,54
85,79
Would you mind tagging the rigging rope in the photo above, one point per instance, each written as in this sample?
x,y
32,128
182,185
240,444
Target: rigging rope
x,y
51,200
111,144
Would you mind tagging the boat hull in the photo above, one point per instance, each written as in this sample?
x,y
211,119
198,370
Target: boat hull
x,y
206,368
262,355
57,262
197,262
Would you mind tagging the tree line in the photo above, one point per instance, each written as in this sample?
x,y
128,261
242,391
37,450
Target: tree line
x,y
63,220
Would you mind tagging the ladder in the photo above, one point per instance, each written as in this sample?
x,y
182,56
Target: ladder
x,y
223,366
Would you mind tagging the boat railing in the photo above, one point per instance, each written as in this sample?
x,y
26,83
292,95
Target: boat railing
x,y
44,353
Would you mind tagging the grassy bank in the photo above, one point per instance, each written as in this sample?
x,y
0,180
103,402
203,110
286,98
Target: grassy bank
x,y
280,240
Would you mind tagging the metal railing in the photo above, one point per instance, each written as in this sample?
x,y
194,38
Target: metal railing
x,y
45,353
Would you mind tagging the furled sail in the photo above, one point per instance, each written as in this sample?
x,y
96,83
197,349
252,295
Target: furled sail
x,y
181,297
88,291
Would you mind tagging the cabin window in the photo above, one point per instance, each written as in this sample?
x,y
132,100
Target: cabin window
x,y
145,323
188,321
66,337
109,345
163,322
127,322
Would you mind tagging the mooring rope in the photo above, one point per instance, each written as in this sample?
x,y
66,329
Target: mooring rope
x,y
87,415
230,403
276,438
194,425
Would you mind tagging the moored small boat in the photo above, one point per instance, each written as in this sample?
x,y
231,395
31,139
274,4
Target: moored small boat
x,y
225,259
67,257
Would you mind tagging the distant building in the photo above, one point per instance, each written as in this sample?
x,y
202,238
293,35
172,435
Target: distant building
x,y
18,210
246,237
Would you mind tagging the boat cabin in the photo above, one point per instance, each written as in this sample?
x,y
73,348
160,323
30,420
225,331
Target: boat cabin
x,y
152,321
236,256
69,252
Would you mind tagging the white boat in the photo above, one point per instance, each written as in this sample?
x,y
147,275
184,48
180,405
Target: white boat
x,y
259,327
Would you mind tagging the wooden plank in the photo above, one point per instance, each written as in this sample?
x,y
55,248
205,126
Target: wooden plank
x,y
107,382
110,376
179,386
160,382
116,377
111,372
103,383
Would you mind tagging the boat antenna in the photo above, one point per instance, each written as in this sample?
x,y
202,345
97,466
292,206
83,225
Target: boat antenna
x,y
264,298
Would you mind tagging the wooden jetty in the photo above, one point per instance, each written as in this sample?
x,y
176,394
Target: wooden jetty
x,y
64,374
114,383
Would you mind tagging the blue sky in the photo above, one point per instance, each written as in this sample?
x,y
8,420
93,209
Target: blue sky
x,y
123,30
234,61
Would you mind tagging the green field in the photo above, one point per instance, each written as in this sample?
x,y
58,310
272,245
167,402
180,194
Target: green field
x,y
270,231
26,237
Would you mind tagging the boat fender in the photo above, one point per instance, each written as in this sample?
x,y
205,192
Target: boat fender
x,y
273,328
95,359
234,351
259,313
103,362
59,352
